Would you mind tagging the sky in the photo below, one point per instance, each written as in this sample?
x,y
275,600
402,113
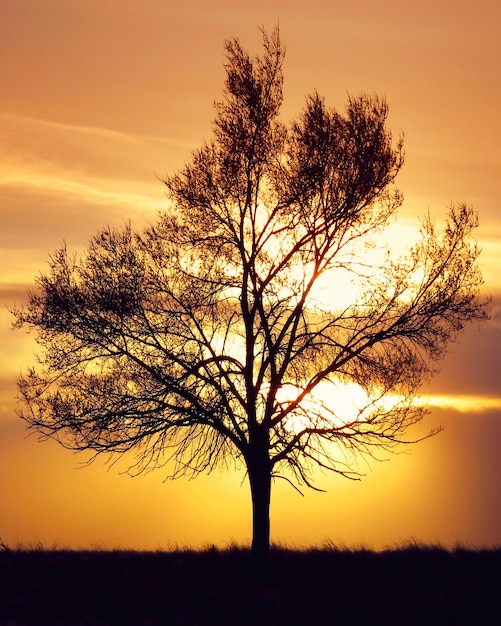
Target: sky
x,y
100,99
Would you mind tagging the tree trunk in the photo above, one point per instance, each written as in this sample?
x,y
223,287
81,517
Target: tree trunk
x,y
259,470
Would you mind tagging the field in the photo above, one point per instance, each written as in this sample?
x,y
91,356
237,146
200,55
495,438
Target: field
x,y
405,586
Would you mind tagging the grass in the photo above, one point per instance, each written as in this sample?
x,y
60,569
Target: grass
x,y
408,585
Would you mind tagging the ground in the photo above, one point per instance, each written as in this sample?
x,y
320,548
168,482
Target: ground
x,y
407,586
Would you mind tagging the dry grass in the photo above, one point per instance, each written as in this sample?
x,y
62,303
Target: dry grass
x,y
409,585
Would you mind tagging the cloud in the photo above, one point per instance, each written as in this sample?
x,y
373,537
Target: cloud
x,y
14,293
44,164
63,182
495,314
465,403
471,367
22,130
96,165
87,189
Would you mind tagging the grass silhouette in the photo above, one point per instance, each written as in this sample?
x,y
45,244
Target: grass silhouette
x,y
412,584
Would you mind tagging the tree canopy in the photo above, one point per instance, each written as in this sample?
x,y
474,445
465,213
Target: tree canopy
x,y
219,334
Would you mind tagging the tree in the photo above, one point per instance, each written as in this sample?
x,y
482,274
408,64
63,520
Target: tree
x,y
216,335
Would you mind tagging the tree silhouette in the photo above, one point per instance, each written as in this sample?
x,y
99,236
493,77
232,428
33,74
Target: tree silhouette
x,y
220,334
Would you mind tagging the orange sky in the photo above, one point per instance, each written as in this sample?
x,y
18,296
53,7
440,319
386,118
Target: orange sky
x,y
97,98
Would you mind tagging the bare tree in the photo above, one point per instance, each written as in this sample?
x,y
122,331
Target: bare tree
x,y
218,335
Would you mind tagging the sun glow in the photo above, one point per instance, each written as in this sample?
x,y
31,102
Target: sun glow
x,y
337,403
359,269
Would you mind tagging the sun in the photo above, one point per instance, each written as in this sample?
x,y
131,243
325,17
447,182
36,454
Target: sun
x,y
333,402
339,403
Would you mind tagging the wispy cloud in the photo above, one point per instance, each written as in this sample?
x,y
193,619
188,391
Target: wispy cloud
x,y
88,189
465,403
38,125
495,316
96,165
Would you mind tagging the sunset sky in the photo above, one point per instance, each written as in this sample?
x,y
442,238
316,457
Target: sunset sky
x,y
100,98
